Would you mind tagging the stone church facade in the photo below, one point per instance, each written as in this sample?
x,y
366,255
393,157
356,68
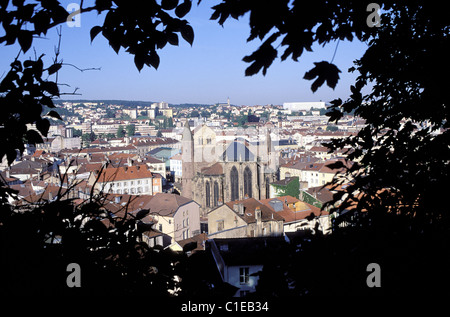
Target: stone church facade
x,y
216,173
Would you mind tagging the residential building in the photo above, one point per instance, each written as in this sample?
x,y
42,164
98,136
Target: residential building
x,y
176,216
287,186
239,260
244,218
299,215
313,173
134,180
176,166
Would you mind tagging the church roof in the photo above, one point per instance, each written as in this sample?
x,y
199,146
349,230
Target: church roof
x,y
237,152
215,169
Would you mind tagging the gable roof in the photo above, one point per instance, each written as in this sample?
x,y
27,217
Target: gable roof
x,y
165,204
250,205
302,209
237,152
111,174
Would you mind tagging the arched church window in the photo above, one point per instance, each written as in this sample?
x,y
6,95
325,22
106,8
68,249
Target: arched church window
x,y
208,194
234,181
216,194
247,182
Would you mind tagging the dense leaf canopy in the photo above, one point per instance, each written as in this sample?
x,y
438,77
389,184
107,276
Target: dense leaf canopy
x,y
401,156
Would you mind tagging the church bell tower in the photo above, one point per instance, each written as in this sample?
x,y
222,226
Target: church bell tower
x,y
187,157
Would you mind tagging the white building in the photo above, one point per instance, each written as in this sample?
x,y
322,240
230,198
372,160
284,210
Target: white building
x,y
176,166
303,106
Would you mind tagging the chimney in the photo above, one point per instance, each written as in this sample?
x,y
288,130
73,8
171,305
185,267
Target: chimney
x,y
239,208
258,214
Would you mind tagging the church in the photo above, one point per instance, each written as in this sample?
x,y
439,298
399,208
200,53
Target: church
x,y
218,172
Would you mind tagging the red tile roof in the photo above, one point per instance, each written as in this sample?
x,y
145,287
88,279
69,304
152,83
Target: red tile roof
x,y
125,173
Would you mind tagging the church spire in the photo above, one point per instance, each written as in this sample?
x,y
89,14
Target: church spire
x,y
187,134
268,141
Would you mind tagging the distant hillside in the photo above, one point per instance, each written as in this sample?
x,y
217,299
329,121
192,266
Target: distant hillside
x,y
133,103
125,103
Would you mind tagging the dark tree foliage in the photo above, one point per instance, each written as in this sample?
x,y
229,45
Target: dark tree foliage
x,y
392,202
391,198
23,95
400,151
139,27
106,246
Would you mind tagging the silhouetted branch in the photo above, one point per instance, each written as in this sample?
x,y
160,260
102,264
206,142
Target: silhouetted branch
x,y
82,69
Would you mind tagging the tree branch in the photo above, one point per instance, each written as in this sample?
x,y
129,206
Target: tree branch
x,y
82,69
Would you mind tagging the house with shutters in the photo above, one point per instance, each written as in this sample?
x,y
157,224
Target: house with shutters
x,y
133,180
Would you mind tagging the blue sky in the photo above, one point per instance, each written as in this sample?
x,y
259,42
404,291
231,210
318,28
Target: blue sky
x,y
206,73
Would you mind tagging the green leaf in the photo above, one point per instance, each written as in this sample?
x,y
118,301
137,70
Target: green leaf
x,y
54,68
50,87
263,57
139,61
142,213
25,39
41,21
28,63
183,8
11,155
54,114
172,38
94,31
154,60
169,4
33,137
43,125
324,71
187,32
47,101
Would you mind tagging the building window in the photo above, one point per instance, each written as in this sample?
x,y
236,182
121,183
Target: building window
x,y
220,225
267,187
216,194
208,194
234,180
243,275
247,182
